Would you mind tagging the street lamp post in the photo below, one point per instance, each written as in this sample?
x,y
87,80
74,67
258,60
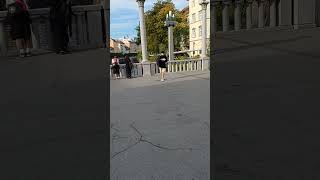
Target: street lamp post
x,y
204,4
170,23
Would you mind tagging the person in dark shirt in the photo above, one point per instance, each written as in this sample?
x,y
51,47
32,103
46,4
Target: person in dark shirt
x,y
61,20
162,63
128,66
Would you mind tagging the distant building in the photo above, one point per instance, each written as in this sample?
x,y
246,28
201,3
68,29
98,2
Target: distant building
x,y
123,46
195,30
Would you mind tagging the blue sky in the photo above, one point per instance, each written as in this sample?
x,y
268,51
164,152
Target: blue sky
x,y
124,16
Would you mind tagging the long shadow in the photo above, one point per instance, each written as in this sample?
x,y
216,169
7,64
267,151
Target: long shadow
x,y
34,143
268,45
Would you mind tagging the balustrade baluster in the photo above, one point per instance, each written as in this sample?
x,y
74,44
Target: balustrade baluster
x,y
214,16
237,15
225,15
261,14
249,14
273,13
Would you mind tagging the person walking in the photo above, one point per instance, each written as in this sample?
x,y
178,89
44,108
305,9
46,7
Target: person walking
x,y
162,63
129,66
115,67
19,20
61,21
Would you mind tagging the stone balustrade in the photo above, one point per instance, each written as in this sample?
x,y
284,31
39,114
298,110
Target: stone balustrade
x,y
87,31
237,15
173,66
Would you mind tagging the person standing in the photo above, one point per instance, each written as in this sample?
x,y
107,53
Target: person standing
x,y
61,21
115,67
162,63
129,66
18,18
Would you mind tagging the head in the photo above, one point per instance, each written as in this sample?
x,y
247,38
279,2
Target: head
x,y
115,57
126,57
162,53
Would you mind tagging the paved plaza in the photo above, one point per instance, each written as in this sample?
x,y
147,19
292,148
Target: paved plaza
x,y
160,129
266,105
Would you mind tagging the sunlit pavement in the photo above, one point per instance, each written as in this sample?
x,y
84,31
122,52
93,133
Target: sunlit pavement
x,y
161,129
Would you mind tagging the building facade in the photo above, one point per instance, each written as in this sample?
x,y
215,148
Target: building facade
x,y
124,46
195,30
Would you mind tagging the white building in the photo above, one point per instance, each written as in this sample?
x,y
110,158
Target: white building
x,y
195,30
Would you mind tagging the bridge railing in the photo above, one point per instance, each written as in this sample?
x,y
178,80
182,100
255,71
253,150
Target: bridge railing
x,y
87,31
172,66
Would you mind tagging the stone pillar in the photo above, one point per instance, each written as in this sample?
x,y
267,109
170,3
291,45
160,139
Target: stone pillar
x,y
273,13
142,31
261,14
249,14
237,15
204,29
145,63
225,15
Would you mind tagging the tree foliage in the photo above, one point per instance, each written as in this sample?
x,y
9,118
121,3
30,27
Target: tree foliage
x,y
157,33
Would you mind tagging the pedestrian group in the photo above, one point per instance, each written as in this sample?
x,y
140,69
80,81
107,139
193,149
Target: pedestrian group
x,y
19,20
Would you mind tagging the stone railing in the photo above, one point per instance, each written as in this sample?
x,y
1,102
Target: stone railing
x,y
86,29
237,15
173,66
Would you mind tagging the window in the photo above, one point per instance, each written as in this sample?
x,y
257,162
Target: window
x,y
193,32
200,31
200,15
193,17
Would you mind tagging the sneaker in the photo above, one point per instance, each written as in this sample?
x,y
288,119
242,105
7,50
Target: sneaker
x,y
162,80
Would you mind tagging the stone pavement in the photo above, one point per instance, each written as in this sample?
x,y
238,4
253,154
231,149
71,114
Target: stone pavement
x,y
52,117
160,130
266,105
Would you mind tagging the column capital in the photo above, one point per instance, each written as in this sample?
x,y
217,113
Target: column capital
x,y
140,3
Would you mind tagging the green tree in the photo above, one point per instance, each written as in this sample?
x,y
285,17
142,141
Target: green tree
x,y
157,33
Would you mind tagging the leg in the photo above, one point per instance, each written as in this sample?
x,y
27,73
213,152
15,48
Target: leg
x,y
20,46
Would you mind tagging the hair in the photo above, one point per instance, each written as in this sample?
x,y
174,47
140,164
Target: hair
x,y
162,52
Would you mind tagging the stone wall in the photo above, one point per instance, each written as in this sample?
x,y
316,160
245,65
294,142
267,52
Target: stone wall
x,y
86,26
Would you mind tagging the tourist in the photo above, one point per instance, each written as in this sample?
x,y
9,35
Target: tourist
x,y
115,67
129,66
162,63
18,18
61,21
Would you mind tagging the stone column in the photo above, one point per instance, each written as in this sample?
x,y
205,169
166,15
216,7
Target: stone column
x,y
225,15
145,63
249,14
237,15
261,14
273,13
142,31
204,4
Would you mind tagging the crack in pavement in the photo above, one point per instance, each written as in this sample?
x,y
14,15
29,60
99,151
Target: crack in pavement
x,y
142,139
